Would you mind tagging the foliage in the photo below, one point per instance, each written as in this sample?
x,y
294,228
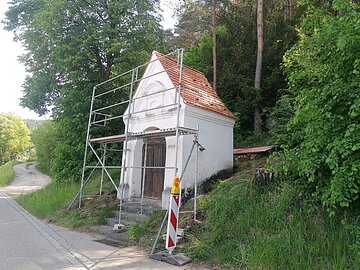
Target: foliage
x,y
71,46
32,124
7,173
321,142
247,227
44,138
194,20
14,137
236,37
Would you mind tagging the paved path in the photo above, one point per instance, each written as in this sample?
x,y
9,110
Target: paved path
x,y
27,179
28,243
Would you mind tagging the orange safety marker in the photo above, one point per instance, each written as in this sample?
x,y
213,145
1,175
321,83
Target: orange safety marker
x,y
171,235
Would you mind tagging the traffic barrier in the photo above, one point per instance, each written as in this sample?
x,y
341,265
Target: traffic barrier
x,y
171,235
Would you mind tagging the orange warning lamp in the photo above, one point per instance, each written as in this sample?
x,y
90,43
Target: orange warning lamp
x,y
175,189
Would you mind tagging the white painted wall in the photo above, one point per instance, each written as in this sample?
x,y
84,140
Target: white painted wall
x,y
216,136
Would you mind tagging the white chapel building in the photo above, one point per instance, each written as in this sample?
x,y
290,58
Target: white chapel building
x,y
154,109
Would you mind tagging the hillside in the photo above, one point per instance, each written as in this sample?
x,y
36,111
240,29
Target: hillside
x,y
248,227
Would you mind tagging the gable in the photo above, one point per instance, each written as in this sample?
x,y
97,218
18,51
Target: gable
x,y
196,89
155,90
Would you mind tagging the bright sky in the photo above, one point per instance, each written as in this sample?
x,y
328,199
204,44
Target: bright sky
x,y
12,73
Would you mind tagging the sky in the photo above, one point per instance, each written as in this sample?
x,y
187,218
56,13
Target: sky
x,y
12,73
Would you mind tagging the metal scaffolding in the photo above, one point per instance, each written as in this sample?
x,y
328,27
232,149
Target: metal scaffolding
x,y
114,100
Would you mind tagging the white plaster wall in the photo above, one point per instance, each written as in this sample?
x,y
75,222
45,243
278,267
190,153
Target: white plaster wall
x,y
216,136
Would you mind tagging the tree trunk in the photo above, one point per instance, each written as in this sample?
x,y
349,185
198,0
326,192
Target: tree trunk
x,y
214,41
259,56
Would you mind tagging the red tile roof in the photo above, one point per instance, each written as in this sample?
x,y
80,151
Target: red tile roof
x,y
196,90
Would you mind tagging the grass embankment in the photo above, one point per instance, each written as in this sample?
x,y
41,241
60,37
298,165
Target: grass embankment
x,y
50,203
249,227
7,173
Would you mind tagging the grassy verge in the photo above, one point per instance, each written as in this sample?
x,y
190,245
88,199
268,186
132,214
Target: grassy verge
x,y
50,203
144,233
269,228
7,173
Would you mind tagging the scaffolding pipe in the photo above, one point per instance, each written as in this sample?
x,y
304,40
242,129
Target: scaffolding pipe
x,y
86,147
129,71
196,175
106,166
114,78
109,107
100,161
159,232
122,177
113,90
125,115
155,74
178,114
102,170
167,210
77,195
154,93
143,178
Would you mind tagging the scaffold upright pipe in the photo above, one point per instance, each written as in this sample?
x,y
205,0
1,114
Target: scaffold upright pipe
x,y
173,218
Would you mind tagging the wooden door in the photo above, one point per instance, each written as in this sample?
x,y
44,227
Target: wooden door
x,y
154,177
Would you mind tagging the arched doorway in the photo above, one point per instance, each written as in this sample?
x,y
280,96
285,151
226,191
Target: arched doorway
x,y
154,177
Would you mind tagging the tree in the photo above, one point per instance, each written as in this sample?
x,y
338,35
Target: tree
x,y
44,138
258,69
236,59
14,137
321,141
71,46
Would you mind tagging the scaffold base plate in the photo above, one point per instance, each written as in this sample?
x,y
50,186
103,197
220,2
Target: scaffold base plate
x,y
174,259
119,228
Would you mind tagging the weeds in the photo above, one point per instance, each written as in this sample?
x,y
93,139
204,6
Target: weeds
x,y
139,232
7,173
269,228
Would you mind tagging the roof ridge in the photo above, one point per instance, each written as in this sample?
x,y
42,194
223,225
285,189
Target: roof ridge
x,y
168,57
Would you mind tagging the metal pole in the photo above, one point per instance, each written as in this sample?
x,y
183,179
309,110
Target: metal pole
x,y
77,194
143,178
178,112
100,161
123,166
196,175
159,232
86,146
102,170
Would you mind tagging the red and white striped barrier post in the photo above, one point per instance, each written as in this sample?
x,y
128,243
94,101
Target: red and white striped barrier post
x,y
171,235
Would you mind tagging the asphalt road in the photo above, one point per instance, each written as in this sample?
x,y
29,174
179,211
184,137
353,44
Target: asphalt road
x,y
28,243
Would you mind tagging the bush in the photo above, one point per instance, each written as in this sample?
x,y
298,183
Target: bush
x,y
321,141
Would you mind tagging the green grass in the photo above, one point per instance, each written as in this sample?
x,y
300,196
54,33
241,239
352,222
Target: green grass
x,y
268,228
46,201
144,232
51,201
7,173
